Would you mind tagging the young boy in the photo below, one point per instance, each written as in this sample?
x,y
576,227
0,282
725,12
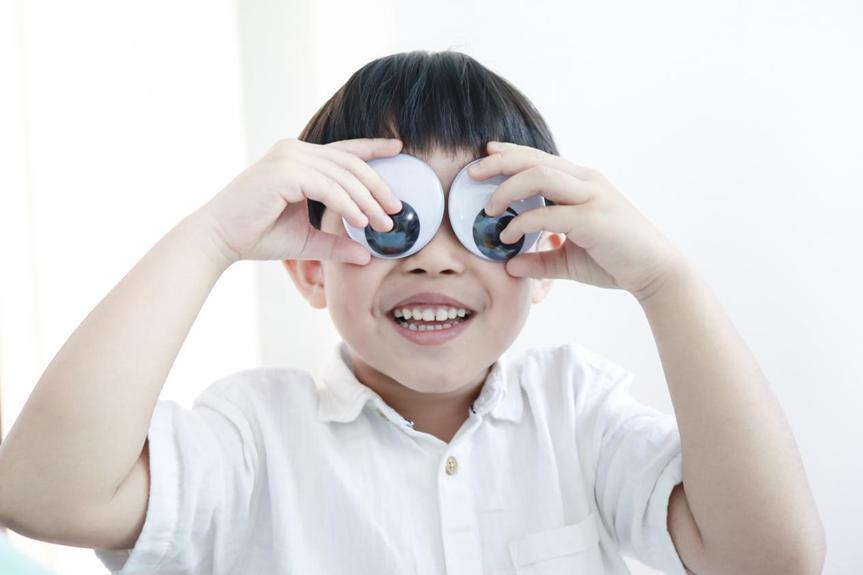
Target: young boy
x,y
413,454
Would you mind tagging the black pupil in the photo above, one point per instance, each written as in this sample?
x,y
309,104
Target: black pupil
x,y
401,238
486,234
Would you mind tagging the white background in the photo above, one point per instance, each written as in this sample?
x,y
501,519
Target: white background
x,y
736,127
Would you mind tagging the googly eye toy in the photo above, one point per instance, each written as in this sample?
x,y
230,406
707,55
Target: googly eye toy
x,y
417,186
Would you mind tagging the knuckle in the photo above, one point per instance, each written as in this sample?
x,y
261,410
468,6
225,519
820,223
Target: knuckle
x,y
592,219
284,143
488,163
324,190
334,187
369,174
345,174
544,171
590,173
355,163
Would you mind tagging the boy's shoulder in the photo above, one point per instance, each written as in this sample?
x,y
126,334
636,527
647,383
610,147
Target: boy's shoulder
x,y
560,375
261,386
573,363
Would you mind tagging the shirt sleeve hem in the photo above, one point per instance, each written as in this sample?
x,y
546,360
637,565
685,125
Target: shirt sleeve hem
x,y
154,544
662,553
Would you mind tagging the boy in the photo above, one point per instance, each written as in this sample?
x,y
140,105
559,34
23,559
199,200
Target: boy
x,y
406,457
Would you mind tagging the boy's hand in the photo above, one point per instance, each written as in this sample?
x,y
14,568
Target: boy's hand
x,y
608,242
262,215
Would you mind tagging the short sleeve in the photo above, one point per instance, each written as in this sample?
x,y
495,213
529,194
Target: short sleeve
x,y
202,476
636,459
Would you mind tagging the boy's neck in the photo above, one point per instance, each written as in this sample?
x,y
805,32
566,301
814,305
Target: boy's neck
x,y
438,414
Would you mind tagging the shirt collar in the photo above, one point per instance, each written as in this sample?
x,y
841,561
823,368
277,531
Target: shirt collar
x,y
342,396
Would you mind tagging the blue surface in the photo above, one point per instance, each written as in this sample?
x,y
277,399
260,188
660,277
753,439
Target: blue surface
x,y
12,562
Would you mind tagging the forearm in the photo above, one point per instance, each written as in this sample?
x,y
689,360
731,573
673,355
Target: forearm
x,y
85,423
742,472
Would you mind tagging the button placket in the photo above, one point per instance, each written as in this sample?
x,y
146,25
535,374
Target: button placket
x,y
462,550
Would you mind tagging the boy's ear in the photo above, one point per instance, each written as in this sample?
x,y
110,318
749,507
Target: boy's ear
x,y
309,278
541,287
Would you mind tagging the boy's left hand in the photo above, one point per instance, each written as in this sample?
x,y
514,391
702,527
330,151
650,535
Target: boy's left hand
x,y
608,242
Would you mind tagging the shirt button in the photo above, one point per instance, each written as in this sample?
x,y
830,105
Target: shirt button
x,y
451,465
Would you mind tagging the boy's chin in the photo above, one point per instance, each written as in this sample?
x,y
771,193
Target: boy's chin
x,y
434,380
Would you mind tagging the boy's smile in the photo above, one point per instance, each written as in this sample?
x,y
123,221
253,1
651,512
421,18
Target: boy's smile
x,y
431,377
430,318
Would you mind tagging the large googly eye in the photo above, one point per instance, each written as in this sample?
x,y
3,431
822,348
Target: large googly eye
x,y
419,189
479,232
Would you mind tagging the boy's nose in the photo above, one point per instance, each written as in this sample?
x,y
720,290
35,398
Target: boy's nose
x,y
444,254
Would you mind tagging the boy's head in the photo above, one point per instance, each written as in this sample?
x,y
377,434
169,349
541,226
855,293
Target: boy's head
x,y
444,107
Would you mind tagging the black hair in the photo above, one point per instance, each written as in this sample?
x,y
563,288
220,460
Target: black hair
x,y
430,100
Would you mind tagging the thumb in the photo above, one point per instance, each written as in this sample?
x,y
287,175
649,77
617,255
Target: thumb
x,y
544,264
325,246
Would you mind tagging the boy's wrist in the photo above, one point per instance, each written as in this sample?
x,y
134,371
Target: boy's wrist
x,y
204,230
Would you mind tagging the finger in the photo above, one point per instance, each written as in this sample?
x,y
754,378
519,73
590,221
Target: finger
x,y
353,157
570,220
320,187
544,264
368,148
325,246
512,159
550,183
355,189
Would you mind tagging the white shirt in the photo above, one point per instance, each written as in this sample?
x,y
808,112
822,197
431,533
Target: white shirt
x,y
556,470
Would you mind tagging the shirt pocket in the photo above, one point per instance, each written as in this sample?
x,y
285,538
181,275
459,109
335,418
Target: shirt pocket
x,y
569,549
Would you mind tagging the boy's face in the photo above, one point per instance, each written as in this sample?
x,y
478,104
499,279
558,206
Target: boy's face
x,y
361,299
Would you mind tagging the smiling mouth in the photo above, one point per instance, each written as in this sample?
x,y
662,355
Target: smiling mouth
x,y
411,323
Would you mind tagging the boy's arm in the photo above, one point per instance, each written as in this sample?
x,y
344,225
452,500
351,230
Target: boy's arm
x,y
74,468
745,505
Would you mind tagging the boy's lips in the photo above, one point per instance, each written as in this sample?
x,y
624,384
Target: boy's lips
x,y
431,298
431,337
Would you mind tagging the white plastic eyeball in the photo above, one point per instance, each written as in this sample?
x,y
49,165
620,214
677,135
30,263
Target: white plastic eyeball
x,y
417,186
479,232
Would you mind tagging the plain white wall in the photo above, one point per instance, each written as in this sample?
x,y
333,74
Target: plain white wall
x,y
734,126
118,119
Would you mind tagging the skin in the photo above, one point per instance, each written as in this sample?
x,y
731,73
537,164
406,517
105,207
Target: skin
x,y
432,385
744,505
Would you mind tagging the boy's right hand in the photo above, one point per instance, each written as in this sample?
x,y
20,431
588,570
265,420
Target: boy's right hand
x,y
262,215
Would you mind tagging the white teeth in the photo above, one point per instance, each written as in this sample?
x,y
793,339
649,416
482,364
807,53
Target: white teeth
x,y
427,327
421,327
439,313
